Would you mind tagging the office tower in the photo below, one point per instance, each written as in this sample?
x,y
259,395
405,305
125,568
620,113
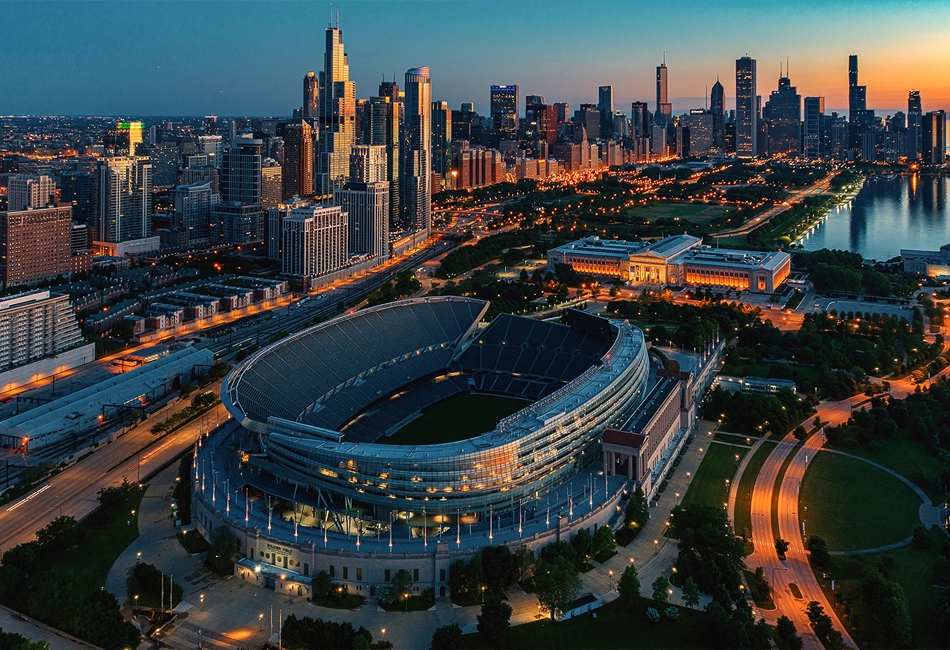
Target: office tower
x,y
25,191
640,120
663,107
193,205
441,138
337,116
746,114
368,163
361,117
311,98
272,183
199,169
605,103
125,139
717,106
241,171
532,100
154,134
914,119
544,116
814,129
314,241
124,199
563,111
699,131
35,244
275,226
213,147
297,175
78,189
860,119
211,124
415,181
367,207
504,111
164,159
784,110
384,130
933,137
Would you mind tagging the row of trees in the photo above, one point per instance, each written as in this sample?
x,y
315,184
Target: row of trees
x,y
755,413
307,633
58,597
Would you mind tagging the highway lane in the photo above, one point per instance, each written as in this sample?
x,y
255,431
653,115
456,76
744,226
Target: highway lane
x,y
750,225
73,491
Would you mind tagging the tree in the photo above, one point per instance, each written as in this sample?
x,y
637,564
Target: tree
x,y
709,550
604,542
448,637
785,628
628,586
524,563
401,583
660,587
58,535
223,548
13,641
761,584
800,433
556,585
494,620
637,512
321,584
499,566
921,538
690,593
893,618
781,547
583,545
819,551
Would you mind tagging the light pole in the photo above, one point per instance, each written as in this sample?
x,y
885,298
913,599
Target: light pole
x,y
656,546
611,574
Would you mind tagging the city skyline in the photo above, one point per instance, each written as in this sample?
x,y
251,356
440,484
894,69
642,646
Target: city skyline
x,y
215,72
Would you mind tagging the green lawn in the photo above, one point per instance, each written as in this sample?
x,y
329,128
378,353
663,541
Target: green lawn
x,y
708,487
695,212
743,520
911,568
102,544
614,627
901,454
853,505
457,418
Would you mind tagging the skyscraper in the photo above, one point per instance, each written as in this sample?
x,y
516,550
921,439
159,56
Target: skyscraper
x,y
605,103
29,191
717,106
314,240
368,164
784,110
272,183
35,244
384,129
241,171
860,119
441,138
416,172
914,119
746,113
814,144
504,110
640,118
126,139
193,204
933,136
297,174
663,106
367,207
311,97
337,116
164,158
124,199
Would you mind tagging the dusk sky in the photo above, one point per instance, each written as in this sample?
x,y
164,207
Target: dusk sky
x,y
248,58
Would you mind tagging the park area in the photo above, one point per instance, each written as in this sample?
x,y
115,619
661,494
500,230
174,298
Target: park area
x,y
698,213
853,505
456,418
709,487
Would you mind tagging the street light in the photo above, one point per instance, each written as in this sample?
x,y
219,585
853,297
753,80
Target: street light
x,y
611,573
260,618
656,548
405,599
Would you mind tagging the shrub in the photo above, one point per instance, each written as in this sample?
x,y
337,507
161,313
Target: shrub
x,y
653,615
672,612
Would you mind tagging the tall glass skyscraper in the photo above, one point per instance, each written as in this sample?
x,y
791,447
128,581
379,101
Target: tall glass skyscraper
x,y
337,96
415,180
504,110
860,118
663,106
914,120
717,106
814,145
385,117
746,113
124,199
605,104
784,110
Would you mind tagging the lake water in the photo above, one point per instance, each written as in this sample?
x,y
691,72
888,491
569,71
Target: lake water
x,y
888,214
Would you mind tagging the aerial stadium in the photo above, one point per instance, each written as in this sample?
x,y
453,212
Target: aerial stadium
x,y
316,473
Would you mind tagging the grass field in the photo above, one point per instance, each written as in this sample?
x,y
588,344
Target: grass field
x,y
853,505
92,558
910,567
457,418
695,212
743,520
708,487
901,454
614,627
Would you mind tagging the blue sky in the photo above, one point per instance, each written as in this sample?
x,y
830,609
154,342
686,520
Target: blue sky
x,y
248,58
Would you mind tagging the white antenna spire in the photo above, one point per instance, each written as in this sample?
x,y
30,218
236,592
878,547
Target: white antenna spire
x,y
664,56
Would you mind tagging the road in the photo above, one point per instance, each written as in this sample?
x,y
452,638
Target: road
x,y
73,491
753,223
